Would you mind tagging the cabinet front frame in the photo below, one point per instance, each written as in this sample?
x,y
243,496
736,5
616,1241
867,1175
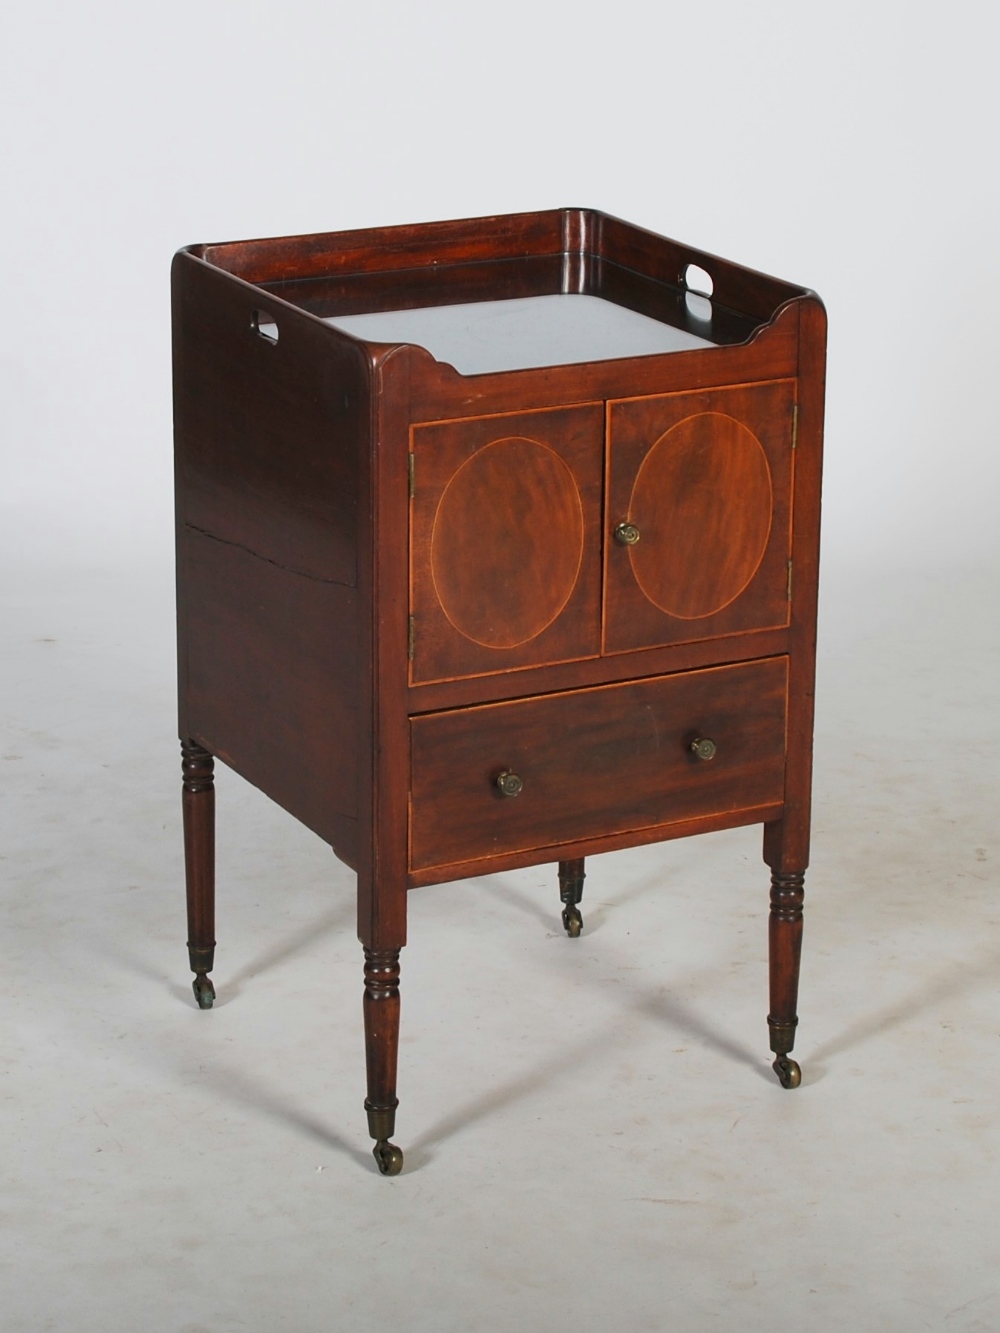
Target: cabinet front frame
x,y
414,390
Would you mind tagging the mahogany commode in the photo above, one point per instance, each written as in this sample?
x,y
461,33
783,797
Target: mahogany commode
x,y
497,543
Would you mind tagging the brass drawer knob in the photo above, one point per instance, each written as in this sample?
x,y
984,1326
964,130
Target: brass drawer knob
x,y
703,748
627,534
509,783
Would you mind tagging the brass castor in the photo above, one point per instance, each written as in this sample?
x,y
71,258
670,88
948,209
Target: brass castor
x,y
572,920
389,1157
788,1071
204,991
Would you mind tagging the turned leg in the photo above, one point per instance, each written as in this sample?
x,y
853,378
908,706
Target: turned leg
x,y
381,1005
198,803
571,877
785,947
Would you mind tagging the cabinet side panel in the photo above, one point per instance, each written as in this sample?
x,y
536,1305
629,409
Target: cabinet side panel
x,y
267,499
270,660
268,413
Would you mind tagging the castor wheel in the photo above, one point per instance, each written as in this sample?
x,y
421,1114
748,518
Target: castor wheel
x,y
788,1071
204,991
389,1157
573,921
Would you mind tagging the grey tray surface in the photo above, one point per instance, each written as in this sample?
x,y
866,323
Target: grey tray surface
x,y
485,337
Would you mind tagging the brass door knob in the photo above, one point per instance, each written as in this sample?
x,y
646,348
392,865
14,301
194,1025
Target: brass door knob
x,y
703,748
509,783
627,534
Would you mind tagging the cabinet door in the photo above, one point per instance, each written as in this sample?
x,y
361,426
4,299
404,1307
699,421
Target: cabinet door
x,y
505,541
698,515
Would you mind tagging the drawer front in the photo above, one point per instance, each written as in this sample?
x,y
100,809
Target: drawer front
x,y
595,762
699,515
505,541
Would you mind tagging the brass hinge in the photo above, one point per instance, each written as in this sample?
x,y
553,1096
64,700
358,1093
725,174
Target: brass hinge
x,y
409,472
789,580
411,637
795,429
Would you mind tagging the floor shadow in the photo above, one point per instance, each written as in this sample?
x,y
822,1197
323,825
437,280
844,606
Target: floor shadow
x,y
676,1014
667,1009
663,1009
236,1086
946,985
231,984
597,910
142,967
504,892
543,1072
670,1012
281,950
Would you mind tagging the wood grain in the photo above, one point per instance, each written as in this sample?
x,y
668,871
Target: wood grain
x,y
505,550
507,542
267,433
595,761
707,478
703,501
281,649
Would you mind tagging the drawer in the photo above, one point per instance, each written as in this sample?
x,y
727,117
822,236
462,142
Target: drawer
x,y
596,762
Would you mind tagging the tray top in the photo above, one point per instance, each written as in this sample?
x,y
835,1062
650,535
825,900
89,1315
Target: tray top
x,y
485,337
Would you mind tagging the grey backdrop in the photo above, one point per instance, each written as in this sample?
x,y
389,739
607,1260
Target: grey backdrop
x,y
851,147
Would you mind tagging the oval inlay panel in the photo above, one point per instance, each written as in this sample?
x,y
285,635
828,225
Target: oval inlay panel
x,y
702,501
507,542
